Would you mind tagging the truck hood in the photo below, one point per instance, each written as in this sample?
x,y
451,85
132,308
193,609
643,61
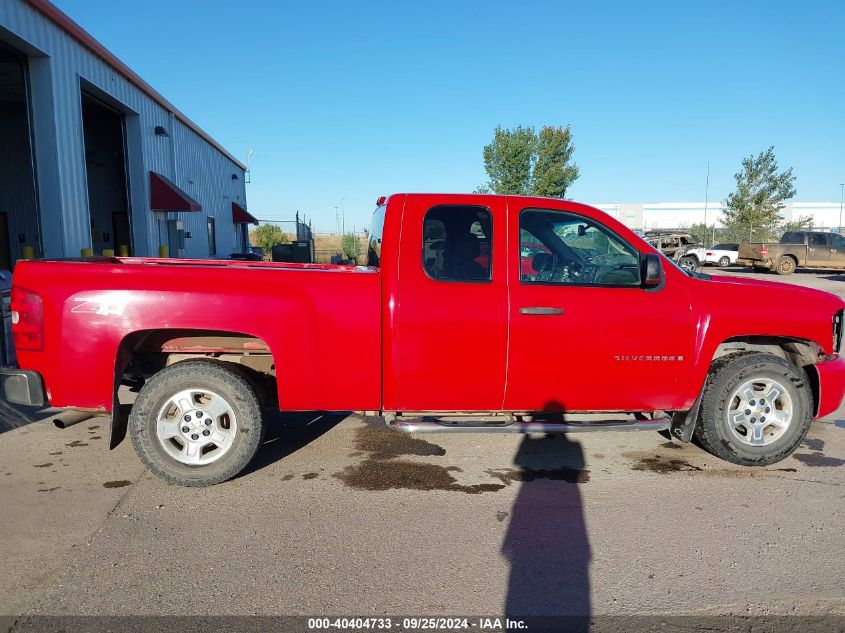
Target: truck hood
x,y
810,297
751,307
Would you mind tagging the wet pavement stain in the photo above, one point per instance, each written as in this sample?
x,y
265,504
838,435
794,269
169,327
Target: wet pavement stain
x,y
672,445
817,459
501,515
76,443
96,437
49,489
310,475
42,465
93,428
56,453
120,483
383,443
813,445
663,465
287,477
374,474
569,475
783,470
598,455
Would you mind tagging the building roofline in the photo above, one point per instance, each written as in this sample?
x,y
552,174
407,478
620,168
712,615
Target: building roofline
x,y
64,22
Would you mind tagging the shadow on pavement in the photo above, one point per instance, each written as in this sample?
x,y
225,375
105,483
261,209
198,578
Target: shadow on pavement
x,y
546,541
13,416
289,432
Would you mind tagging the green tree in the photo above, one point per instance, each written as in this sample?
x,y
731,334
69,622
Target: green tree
x,y
351,246
753,211
803,223
522,162
509,160
267,236
554,170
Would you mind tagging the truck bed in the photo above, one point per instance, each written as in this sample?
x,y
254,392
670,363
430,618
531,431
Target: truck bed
x,y
321,322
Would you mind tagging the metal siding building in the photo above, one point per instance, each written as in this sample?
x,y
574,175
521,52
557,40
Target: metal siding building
x,y
72,189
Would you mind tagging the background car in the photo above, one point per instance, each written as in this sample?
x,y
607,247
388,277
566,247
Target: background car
x,y
722,254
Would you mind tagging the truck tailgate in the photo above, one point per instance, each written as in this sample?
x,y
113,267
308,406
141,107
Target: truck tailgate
x,y
754,251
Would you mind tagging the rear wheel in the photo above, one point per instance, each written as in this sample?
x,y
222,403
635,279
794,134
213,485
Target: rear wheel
x,y
755,410
724,261
688,263
196,423
785,265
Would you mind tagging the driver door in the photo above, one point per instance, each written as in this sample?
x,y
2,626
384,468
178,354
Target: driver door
x,y
584,334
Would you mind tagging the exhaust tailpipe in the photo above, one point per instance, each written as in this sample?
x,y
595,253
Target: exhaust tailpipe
x,y
69,418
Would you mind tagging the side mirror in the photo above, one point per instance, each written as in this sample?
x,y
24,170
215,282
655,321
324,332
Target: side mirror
x,y
652,270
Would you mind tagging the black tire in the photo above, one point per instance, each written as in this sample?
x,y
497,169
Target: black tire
x,y
224,380
724,262
785,265
713,432
688,263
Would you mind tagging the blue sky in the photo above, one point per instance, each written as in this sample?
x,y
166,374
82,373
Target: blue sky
x,y
352,100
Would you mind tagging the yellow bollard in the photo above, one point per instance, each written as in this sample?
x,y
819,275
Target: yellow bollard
x,y
164,251
87,252
123,250
108,252
27,252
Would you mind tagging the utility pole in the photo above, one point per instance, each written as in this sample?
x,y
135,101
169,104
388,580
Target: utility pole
x,y
841,199
336,220
342,216
706,192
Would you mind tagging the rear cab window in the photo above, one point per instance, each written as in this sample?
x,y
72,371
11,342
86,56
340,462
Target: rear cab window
x,y
376,231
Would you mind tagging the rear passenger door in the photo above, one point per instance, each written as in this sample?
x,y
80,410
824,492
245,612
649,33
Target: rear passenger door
x,y
818,249
451,322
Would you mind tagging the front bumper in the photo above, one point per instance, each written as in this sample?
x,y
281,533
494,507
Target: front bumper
x,y
21,386
831,385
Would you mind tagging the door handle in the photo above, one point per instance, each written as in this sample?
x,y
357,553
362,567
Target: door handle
x,y
539,310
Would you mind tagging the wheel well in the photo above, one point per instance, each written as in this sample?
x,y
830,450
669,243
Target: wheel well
x,y
142,354
790,256
800,352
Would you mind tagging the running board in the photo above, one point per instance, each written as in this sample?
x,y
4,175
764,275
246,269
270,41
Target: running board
x,y
429,426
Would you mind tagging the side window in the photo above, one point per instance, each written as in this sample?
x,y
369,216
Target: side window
x,y
574,250
837,241
818,239
457,243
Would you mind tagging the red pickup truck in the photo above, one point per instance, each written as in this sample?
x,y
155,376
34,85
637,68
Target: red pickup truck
x,y
449,329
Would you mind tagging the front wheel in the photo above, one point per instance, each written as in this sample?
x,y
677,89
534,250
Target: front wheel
x,y
755,410
196,423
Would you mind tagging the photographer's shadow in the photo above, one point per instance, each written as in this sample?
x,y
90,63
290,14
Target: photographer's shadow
x,y
546,542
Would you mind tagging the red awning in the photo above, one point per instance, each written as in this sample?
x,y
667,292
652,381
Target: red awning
x,y
241,215
165,195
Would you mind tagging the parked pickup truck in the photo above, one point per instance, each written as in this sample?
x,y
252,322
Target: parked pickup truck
x,y
449,329
807,249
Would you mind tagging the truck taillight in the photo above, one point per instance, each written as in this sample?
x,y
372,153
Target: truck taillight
x,y
27,320
764,250
709,254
